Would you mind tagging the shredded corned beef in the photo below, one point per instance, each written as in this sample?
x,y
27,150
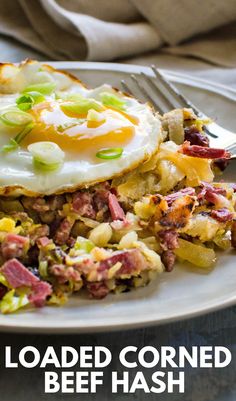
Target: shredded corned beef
x,y
192,135
117,213
169,239
17,275
203,152
168,259
83,204
211,194
182,192
63,232
36,204
38,232
40,290
98,290
43,241
14,246
131,261
65,273
222,215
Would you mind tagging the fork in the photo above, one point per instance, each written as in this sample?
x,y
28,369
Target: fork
x,y
153,92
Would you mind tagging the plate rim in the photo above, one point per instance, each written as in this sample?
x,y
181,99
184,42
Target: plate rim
x,y
69,327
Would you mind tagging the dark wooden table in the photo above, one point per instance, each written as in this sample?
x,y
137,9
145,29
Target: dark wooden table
x,y
201,384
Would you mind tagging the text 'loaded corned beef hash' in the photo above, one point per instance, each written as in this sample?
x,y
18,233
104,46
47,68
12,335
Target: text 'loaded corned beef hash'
x,y
97,191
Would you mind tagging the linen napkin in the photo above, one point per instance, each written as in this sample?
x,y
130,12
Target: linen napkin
x,y
110,29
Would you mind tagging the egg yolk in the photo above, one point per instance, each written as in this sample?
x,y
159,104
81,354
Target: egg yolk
x,y
78,134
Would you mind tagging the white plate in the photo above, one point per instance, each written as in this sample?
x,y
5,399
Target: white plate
x,y
181,294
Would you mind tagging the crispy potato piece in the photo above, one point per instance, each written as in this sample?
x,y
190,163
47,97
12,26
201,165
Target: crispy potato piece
x,y
195,254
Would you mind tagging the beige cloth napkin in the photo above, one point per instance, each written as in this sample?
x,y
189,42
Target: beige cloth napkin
x,y
111,29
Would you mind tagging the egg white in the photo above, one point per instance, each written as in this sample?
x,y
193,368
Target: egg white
x,y
17,173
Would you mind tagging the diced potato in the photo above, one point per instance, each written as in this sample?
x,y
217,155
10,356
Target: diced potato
x,y
195,254
175,121
170,175
138,185
203,227
194,168
128,240
144,209
101,234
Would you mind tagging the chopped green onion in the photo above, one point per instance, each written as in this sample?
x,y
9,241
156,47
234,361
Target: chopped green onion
x,y
36,96
25,131
14,142
12,145
82,106
45,88
71,97
47,156
109,99
109,153
84,244
15,118
24,102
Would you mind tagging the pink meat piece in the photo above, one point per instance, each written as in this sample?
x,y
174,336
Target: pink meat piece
x,y
117,213
40,291
43,241
14,246
195,137
63,232
83,204
203,152
214,198
98,290
169,239
37,204
212,194
131,261
17,275
39,232
100,199
64,273
222,215
176,195
168,259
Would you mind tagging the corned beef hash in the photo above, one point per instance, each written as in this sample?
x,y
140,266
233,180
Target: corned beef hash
x,y
98,191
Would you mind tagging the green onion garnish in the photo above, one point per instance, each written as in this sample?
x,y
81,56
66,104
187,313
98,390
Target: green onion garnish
x,y
15,118
12,145
14,142
109,99
24,102
47,156
45,88
81,107
25,131
109,153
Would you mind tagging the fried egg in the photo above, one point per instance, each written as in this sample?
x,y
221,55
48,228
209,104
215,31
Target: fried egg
x,y
92,134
